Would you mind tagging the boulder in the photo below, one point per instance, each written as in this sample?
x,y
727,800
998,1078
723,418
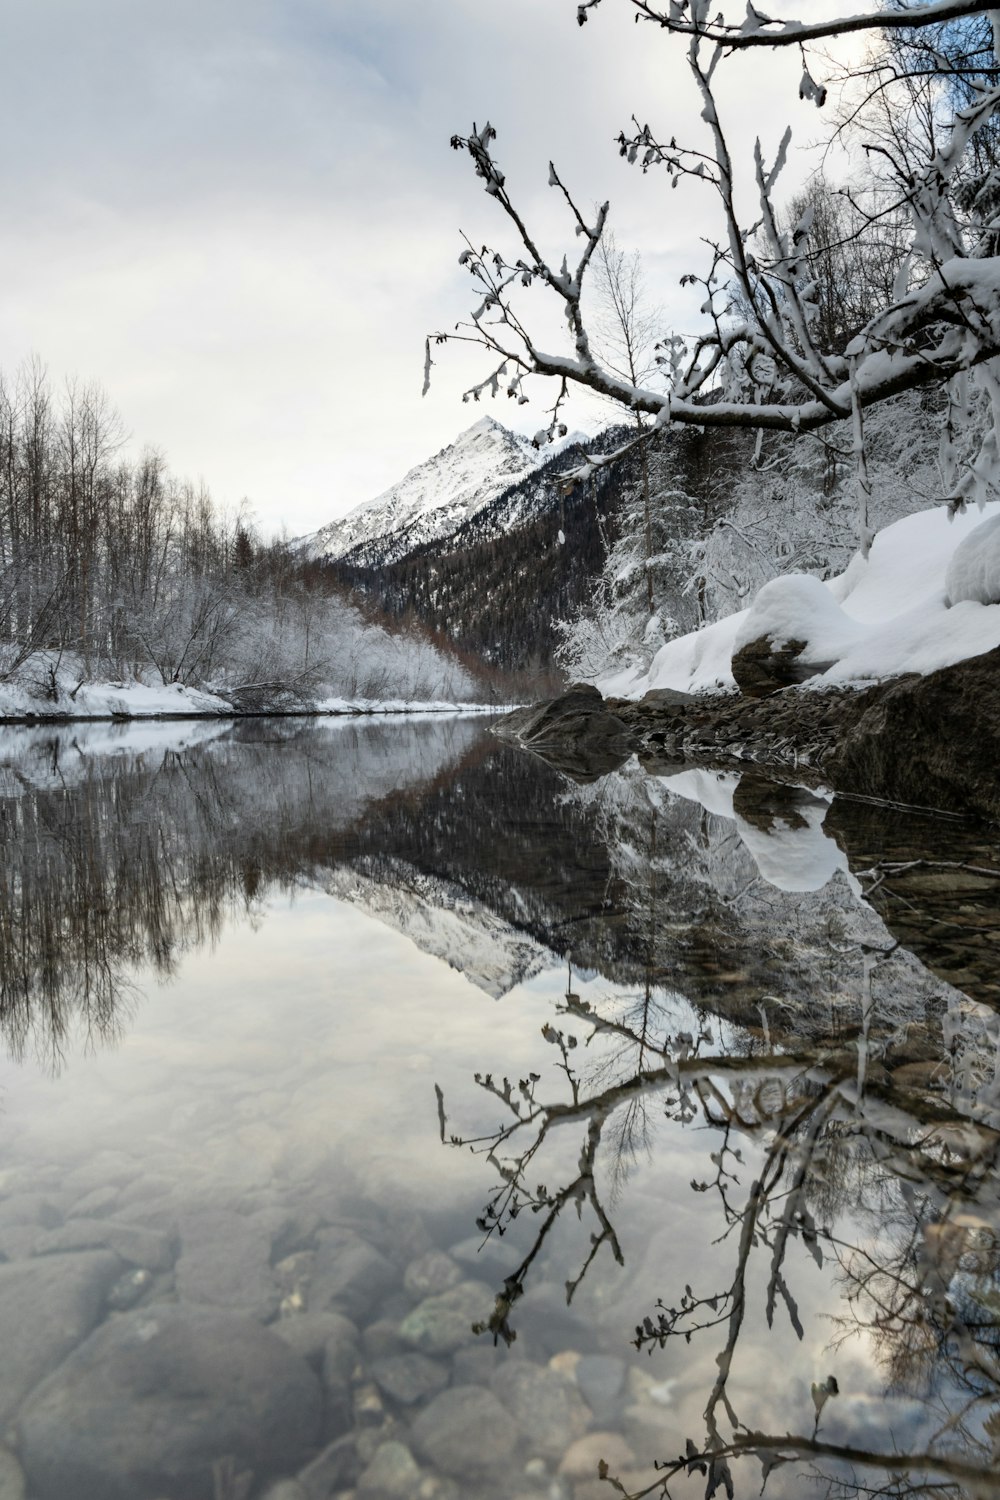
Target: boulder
x,y
440,1325
409,1378
154,1398
466,1433
576,733
545,1404
225,1262
349,1275
761,667
46,1308
929,741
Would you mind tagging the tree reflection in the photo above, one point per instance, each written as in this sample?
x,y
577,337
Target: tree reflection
x,y
893,1192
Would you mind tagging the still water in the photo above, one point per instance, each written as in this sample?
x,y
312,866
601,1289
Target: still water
x,y
384,1113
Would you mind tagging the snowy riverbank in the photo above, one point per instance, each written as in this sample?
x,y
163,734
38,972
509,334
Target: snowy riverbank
x,y
61,696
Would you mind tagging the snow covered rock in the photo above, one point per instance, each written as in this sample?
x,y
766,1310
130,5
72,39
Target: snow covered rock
x,y
974,571
794,630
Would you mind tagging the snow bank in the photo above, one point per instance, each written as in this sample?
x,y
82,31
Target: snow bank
x,y
48,686
883,616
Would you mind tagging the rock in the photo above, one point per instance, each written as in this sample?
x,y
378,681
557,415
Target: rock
x,y
308,1334
431,1274
581,1458
393,1472
478,1363
929,741
466,1433
12,1482
153,1398
29,1208
140,1247
225,1263
601,1378
349,1275
665,697
98,1204
440,1325
46,1308
335,1469
409,1378
761,668
381,1339
544,1403
574,732
340,1360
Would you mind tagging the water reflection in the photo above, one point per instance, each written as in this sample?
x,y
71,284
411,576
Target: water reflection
x,y
738,1103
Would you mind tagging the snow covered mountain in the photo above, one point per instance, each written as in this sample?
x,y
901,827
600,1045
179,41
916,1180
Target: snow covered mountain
x,y
443,920
436,497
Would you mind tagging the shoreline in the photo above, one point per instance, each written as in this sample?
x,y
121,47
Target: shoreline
x,y
930,743
33,720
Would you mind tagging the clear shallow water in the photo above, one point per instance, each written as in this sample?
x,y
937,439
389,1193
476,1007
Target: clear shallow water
x,y
249,978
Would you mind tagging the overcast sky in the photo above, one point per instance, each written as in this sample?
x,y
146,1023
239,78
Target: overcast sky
x,y
241,216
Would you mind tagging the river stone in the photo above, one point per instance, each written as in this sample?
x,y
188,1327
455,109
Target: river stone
x,y
225,1262
308,1334
601,1378
393,1472
154,1398
544,1403
431,1274
140,1247
336,1468
581,1459
29,1208
409,1378
466,1433
97,1204
349,1275
46,1308
440,1325
340,1359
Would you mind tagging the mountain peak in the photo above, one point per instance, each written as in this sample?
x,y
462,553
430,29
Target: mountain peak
x,y
485,424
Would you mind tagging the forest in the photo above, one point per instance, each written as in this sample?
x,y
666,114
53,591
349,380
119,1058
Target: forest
x,y
113,569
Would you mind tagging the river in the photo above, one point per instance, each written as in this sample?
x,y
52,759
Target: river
x,y
385,1113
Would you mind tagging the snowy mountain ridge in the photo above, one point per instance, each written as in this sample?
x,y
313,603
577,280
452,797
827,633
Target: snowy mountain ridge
x,y
441,920
435,498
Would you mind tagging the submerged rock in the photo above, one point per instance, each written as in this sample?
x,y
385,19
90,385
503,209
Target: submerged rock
x,y
409,1378
153,1399
441,1325
349,1275
545,1404
466,1433
46,1308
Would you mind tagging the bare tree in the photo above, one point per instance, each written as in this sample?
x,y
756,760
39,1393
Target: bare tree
x,y
770,368
627,328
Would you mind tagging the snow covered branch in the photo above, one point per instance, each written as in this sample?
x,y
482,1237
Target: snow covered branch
x,y
766,356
